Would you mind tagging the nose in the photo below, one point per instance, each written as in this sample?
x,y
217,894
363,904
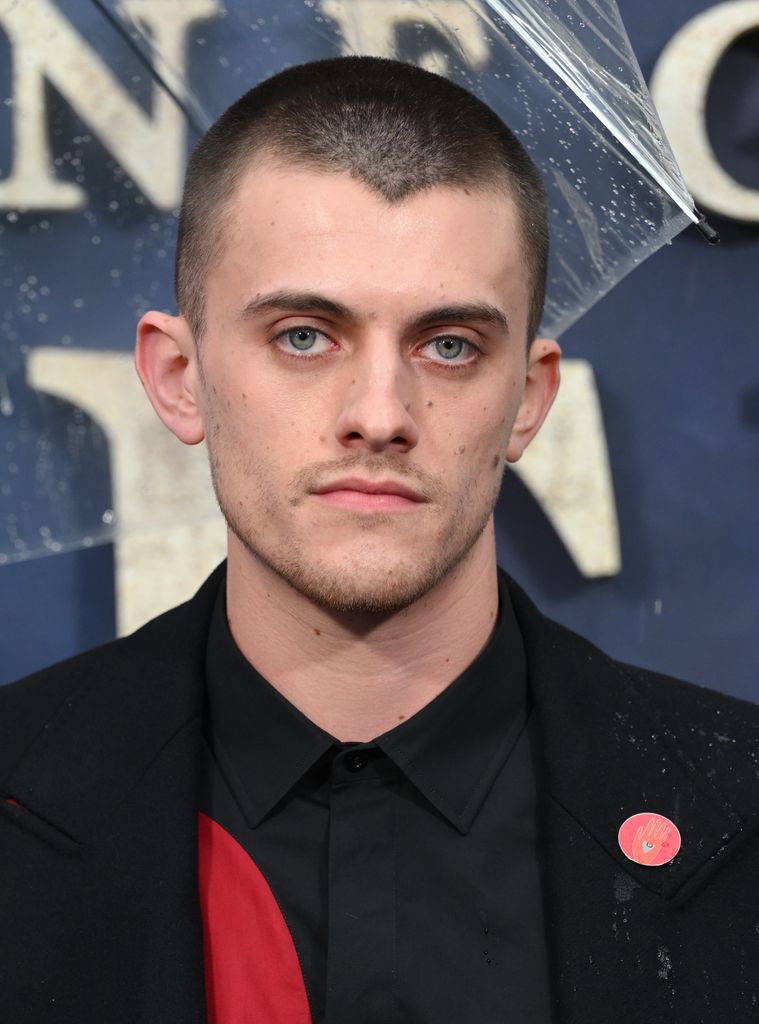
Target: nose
x,y
377,410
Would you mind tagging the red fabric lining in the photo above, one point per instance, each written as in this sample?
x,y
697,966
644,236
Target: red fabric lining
x,y
252,971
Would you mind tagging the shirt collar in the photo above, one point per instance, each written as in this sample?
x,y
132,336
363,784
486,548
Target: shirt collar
x,y
455,746
451,750
262,743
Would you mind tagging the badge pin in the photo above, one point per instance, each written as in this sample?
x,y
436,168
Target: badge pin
x,y
649,838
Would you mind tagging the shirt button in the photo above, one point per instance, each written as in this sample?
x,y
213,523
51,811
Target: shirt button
x,y
356,760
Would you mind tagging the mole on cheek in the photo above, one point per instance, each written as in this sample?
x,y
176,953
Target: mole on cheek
x,y
429,404
496,460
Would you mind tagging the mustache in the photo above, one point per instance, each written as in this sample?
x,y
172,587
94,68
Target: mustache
x,y
317,474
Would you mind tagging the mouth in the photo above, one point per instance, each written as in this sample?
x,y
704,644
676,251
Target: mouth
x,y
371,495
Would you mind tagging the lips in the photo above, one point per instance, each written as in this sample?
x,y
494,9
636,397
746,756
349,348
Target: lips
x,y
376,487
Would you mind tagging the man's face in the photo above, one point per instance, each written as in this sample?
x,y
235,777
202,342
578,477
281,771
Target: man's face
x,y
361,371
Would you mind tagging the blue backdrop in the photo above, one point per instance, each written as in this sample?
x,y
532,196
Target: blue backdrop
x,y
675,349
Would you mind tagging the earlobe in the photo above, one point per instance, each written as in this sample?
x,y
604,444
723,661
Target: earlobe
x,y
167,363
541,385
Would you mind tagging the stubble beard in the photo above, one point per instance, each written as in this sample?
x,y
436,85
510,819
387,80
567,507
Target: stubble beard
x,y
365,585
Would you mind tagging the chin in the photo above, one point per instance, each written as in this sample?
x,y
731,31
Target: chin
x,y
364,582
345,594
371,587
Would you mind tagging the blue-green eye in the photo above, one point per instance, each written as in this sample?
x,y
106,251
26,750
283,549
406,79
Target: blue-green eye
x,y
450,349
307,341
302,338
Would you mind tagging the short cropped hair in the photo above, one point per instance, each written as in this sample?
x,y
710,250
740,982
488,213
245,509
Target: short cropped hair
x,y
395,127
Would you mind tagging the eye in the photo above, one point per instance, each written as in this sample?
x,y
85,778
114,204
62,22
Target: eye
x,y
305,341
448,348
648,846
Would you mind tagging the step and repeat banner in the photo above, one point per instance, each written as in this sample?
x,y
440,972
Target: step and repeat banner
x,y
633,517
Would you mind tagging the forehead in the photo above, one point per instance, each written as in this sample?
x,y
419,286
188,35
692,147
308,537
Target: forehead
x,y
289,227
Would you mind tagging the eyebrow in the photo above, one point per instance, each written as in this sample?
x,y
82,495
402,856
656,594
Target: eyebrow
x,y
312,302
296,302
463,313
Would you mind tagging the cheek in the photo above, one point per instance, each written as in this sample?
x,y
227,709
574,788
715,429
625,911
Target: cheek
x,y
486,430
480,449
477,459
261,434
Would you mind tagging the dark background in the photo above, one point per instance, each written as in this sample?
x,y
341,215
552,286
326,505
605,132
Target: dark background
x,y
675,349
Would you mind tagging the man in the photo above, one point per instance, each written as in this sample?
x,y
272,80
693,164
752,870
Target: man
x,y
405,789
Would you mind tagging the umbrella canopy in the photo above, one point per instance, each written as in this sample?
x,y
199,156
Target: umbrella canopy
x,y
103,102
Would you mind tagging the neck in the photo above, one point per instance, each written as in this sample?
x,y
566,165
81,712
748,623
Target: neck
x,y
358,676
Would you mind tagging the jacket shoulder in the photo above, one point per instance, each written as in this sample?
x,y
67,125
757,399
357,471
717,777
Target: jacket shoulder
x,y
568,652
29,703
663,693
584,689
660,688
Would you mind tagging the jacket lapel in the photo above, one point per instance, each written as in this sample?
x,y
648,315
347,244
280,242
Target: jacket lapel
x,y
110,788
615,741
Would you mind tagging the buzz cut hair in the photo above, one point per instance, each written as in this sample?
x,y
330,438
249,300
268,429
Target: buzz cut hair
x,y
393,126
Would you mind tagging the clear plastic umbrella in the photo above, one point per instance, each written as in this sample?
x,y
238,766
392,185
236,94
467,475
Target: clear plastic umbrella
x,y
128,75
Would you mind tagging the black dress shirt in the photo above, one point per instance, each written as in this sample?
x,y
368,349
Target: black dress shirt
x,y
406,868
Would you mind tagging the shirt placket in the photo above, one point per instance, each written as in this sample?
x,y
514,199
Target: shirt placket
x,y
361,949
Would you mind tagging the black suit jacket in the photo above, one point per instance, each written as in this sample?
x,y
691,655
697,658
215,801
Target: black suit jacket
x,y
98,845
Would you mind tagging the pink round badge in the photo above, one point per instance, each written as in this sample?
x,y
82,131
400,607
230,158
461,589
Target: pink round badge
x,y
649,838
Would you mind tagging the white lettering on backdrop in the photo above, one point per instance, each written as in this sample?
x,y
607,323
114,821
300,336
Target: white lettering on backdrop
x,y
370,26
679,87
149,147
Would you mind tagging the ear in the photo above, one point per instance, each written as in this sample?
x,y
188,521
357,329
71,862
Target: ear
x,y
167,363
541,386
